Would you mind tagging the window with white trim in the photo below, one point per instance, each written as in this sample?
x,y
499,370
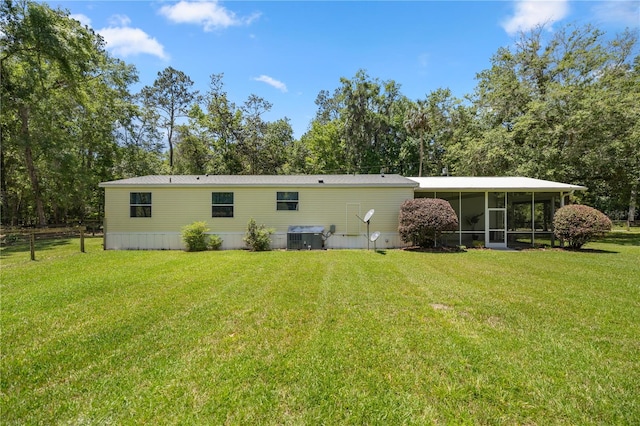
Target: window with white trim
x,y
287,200
222,204
140,204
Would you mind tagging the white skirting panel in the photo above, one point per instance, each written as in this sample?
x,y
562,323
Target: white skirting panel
x,y
385,241
161,241
233,241
143,241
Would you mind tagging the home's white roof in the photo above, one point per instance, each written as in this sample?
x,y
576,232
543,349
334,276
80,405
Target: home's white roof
x,y
373,180
507,183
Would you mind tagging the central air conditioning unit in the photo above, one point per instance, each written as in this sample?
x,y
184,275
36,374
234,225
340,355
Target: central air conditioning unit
x,y
305,238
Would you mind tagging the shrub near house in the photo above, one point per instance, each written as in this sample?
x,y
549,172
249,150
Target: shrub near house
x,y
196,239
422,221
258,237
578,224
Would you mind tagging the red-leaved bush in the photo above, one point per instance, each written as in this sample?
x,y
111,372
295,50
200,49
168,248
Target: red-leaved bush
x,y
577,224
422,221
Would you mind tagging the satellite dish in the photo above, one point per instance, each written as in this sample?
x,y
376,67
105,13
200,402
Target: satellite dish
x,y
374,236
367,217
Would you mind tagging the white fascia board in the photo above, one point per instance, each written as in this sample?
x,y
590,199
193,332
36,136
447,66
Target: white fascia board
x,y
512,184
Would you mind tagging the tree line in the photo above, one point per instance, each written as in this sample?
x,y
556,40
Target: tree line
x,y
560,106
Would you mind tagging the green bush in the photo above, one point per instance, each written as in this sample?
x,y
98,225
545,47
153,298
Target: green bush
x,y
258,237
215,242
195,237
577,224
422,221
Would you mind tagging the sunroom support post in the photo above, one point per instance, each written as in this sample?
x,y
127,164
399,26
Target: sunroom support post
x,y
533,219
553,213
562,195
460,218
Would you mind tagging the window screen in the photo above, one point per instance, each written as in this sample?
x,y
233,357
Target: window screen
x,y
222,204
140,204
287,201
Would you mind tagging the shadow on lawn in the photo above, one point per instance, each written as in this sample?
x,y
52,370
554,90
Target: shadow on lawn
x,y
442,250
590,250
621,238
41,245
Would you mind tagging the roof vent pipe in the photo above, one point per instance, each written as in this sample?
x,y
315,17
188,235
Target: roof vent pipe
x,y
320,180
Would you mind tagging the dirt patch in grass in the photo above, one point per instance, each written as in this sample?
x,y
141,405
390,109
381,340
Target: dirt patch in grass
x,y
441,307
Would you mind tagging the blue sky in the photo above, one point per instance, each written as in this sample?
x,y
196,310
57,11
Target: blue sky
x,y
288,51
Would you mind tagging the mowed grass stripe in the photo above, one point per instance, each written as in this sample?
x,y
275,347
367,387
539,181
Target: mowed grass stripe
x,y
332,337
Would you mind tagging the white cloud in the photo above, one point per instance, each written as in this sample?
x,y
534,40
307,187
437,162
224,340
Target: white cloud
x,y
83,19
209,14
272,82
619,12
124,41
530,13
119,21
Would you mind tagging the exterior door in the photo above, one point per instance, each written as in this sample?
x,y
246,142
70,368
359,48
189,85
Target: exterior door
x,y
496,220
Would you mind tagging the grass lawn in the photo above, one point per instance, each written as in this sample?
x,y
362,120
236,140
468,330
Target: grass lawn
x,y
322,337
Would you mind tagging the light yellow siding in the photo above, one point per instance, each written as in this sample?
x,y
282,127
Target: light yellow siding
x,y
173,208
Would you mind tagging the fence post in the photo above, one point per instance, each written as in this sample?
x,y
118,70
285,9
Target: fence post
x,y
32,241
82,239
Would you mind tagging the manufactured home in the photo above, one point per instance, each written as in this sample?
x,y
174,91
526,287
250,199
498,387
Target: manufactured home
x,y
327,211
306,211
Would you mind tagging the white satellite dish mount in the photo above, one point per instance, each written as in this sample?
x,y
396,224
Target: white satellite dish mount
x,y
367,220
373,238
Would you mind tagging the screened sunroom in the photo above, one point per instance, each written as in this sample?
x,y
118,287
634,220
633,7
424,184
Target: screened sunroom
x,y
499,212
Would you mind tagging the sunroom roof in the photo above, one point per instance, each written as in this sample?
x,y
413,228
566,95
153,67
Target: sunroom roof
x,y
485,183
